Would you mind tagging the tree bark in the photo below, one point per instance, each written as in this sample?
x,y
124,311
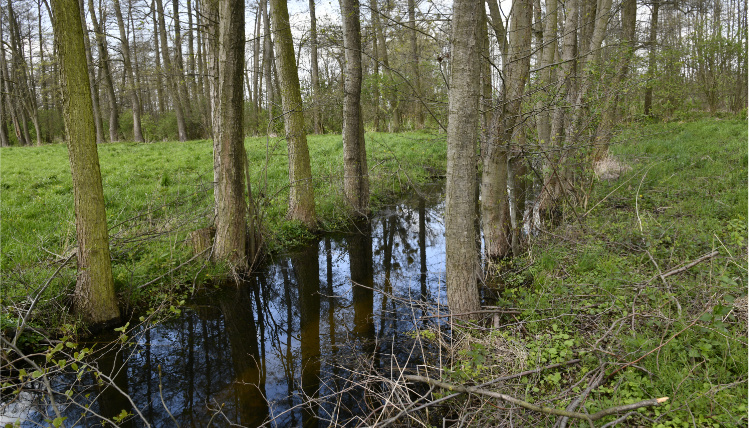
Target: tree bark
x,y
460,212
95,298
316,119
229,156
133,89
101,43
356,174
301,194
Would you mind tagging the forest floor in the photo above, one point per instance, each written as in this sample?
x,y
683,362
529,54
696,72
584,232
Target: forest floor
x,y
644,281
156,194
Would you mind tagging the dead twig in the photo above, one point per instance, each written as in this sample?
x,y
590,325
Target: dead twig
x,y
548,410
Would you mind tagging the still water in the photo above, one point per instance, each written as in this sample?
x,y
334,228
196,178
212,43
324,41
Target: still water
x,y
252,352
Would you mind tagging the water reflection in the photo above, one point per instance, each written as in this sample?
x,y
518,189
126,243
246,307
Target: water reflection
x,y
257,350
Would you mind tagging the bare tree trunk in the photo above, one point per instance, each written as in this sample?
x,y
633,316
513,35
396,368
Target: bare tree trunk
x,y
391,93
134,100
229,155
170,74
157,59
460,212
179,63
650,75
375,18
256,72
418,112
191,88
95,298
356,174
24,84
268,64
301,195
101,43
316,119
5,88
610,110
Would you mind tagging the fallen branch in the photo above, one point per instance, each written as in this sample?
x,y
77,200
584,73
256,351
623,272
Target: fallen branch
x,y
548,410
493,381
690,264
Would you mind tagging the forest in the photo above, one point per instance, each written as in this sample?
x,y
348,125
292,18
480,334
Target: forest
x,y
373,213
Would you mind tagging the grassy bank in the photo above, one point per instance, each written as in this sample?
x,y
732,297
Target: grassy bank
x,y
592,289
155,195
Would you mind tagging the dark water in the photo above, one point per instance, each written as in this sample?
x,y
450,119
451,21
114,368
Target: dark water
x,y
252,352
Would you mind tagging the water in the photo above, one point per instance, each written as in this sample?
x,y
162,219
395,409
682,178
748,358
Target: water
x,y
256,351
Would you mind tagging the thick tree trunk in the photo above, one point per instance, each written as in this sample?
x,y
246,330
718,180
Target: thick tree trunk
x,y
355,172
229,155
133,89
170,74
460,213
95,299
301,195
101,43
316,119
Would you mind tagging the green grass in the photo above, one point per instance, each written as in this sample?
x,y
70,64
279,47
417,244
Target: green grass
x,y
157,193
591,289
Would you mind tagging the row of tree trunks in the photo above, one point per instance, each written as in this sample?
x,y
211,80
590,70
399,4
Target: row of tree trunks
x,y
101,43
130,76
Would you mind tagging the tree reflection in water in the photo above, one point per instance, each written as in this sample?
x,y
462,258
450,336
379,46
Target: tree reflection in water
x,y
253,351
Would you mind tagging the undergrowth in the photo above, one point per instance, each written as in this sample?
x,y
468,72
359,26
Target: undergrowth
x,y
616,286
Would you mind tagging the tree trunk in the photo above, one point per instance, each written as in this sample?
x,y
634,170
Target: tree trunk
x,y
133,89
270,100
157,59
460,212
101,43
95,299
179,63
231,222
170,73
650,75
191,88
418,112
356,174
391,93
316,120
256,72
301,194
375,18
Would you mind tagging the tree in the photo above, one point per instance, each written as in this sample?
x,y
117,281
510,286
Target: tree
x,y
134,100
301,195
101,43
460,212
229,155
316,120
356,178
94,292
170,73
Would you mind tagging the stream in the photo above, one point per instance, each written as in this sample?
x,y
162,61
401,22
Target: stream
x,y
299,327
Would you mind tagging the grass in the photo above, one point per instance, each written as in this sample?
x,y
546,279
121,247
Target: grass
x,y
156,194
590,289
